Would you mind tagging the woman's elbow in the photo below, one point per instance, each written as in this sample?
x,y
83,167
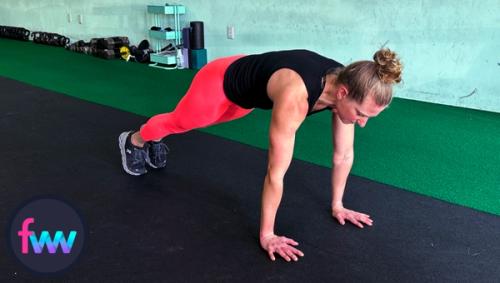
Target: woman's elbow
x,y
274,177
345,157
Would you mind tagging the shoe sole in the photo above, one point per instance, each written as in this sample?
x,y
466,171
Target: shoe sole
x,y
122,139
148,162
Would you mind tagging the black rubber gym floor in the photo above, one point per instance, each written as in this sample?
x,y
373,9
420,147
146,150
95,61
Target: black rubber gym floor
x,y
198,220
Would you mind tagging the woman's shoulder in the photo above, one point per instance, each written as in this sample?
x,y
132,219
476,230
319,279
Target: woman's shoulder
x,y
287,87
285,80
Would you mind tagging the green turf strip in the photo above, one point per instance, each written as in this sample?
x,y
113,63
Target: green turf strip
x,y
444,152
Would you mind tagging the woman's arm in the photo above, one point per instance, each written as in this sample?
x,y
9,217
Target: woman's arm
x,y
284,123
343,156
289,111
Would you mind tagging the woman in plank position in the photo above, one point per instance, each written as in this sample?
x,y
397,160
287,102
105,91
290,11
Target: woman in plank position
x,y
293,84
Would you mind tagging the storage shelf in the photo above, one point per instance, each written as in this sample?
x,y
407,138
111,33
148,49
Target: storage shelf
x,y
167,10
164,59
164,35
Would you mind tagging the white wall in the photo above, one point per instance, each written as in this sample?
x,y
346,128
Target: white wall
x,y
450,49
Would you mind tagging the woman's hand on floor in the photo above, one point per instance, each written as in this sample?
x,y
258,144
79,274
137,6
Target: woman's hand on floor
x,y
283,246
357,218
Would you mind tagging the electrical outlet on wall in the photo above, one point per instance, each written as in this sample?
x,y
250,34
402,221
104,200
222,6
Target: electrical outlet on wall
x,y
80,19
68,16
230,32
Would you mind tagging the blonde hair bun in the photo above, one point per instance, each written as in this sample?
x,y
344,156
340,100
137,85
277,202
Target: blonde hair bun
x,y
389,68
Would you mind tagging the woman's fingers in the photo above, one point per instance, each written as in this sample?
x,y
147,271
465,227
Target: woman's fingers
x,y
290,241
355,221
271,254
354,217
340,218
284,247
283,253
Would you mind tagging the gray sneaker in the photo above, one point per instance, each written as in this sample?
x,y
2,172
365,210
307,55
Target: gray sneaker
x,y
133,157
157,154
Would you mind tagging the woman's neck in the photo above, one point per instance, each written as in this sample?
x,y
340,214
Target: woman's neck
x,y
327,97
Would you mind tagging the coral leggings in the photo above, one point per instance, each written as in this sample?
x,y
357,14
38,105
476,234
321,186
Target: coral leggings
x,y
203,105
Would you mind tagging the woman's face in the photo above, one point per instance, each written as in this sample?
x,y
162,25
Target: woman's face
x,y
351,112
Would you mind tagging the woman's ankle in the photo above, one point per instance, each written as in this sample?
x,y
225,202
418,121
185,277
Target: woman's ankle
x,y
136,140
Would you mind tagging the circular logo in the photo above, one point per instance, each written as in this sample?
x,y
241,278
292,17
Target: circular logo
x,y
46,235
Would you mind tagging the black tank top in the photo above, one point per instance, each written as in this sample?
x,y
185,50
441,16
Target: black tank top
x,y
245,80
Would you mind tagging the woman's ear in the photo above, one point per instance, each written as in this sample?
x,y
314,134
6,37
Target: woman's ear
x,y
342,92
